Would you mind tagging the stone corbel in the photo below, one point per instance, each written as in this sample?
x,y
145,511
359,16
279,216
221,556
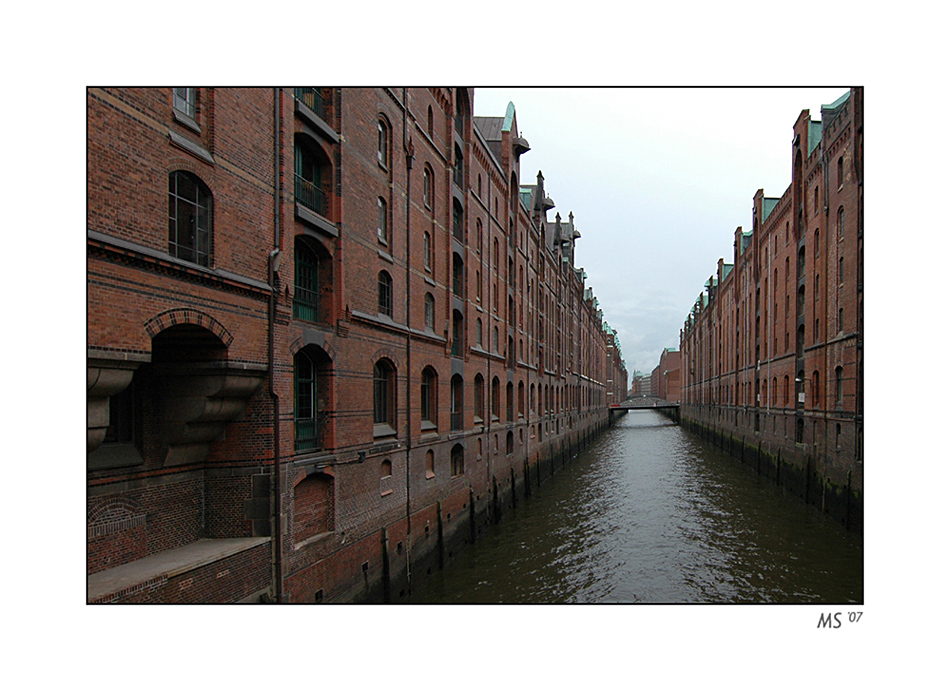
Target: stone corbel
x,y
198,402
105,377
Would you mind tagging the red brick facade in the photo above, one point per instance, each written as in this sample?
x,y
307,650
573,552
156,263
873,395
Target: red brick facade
x,y
665,379
773,348
356,283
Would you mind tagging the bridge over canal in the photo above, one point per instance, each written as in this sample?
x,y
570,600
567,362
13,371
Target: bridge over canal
x,y
671,410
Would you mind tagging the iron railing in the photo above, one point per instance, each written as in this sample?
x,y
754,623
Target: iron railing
x,y
307,306
310,196
309,432
313,99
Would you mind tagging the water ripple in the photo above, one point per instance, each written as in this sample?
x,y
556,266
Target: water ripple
x,y
651,514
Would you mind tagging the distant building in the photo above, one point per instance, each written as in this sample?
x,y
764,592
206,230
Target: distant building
x,y
641,384
665,379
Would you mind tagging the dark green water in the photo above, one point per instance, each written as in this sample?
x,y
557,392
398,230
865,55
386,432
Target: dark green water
x,y
649,513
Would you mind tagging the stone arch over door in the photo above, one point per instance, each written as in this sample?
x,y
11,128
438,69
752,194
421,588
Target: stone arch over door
x,y
175,317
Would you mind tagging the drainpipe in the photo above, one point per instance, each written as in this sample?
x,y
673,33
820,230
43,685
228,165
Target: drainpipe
x,y
273,266
408,150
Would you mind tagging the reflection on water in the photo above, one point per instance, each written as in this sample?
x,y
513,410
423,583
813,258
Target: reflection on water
x,y
649,513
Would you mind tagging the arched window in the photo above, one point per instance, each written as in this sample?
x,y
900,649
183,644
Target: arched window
x,y
429,122
458,460
509,402
382,146
461,111
427,251
430,464
385,283
429,399
427,195
457,401
839,386
384,398
479,398
189,218
458,172
478,235
478,332
430,311
521,399
840,222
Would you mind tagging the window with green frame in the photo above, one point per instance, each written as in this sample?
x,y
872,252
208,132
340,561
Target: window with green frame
x,y
306,283
309,420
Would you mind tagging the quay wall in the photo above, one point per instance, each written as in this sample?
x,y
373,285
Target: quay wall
x,y
399,556
823,472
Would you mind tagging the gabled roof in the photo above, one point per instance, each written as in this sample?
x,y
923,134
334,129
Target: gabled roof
x,y
490,127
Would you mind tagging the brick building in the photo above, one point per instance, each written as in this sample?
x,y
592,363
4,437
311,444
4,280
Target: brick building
x,y
349,336
665,378
641,384
772,350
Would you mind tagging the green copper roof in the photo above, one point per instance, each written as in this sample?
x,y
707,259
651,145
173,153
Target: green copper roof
x,y
844,97
768,206
509,117
814,135
745,242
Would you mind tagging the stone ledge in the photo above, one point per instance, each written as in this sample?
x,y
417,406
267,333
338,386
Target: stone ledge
x,y
165,565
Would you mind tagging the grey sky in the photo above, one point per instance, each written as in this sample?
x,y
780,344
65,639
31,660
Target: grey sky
x,y
658,180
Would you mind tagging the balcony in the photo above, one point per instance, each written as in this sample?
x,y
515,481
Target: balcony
x,y
313,99
310,196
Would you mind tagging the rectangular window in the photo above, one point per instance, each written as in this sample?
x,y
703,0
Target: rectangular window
x,y
184,100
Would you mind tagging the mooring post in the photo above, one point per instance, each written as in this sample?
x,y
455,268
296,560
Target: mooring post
x,y
439,534
471,514
494,500
386,585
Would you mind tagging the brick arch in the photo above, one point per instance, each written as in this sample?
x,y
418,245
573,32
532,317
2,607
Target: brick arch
x,y
205,172
113,515
186,315
385,353
306,339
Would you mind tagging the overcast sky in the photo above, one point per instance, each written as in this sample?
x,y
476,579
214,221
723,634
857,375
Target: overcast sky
x,y
658,180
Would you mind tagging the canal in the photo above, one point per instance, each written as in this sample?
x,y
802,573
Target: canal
x,y
651,514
